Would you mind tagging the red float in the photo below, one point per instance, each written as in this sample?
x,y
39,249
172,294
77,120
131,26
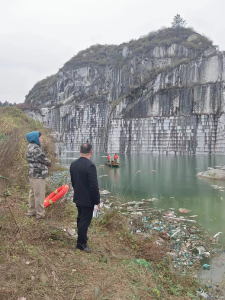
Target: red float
x,y
56,195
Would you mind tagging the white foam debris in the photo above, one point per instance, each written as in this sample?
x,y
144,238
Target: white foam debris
x,y
104,192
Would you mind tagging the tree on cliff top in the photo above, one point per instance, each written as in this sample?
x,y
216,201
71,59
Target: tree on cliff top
x,y
178,22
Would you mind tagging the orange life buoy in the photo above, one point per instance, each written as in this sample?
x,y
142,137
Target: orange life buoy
x,y
56,195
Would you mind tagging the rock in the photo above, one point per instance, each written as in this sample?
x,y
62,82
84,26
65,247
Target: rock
x,y
71,232
125,51
110,95
29,262
212,174
43,278
193,37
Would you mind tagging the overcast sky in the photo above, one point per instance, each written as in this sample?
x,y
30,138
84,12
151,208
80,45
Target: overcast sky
x,y
38,36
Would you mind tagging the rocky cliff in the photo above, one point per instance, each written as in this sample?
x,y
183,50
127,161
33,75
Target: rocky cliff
x,y
163,93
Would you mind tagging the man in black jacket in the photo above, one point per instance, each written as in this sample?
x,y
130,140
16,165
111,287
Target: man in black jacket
x,y
86,192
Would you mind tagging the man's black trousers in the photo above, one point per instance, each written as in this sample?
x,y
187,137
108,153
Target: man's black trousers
x,y
83,221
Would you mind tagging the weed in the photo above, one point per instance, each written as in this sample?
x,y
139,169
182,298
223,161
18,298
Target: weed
x,y
14,125
108,218
104,260
24,206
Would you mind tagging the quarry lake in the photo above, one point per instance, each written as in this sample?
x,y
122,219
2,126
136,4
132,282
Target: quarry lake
x,y
170,179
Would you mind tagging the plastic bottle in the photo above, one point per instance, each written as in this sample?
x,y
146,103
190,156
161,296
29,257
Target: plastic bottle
x,y
95,211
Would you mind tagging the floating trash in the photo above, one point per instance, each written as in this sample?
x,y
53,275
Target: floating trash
x,y
170,214
136,213
104,192
216,236
188,244
203,295
184,210
206,267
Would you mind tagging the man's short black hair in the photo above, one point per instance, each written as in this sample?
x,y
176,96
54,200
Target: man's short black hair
x,y
40,134
85,148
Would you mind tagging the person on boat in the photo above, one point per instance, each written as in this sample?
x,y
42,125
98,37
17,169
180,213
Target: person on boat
x,y
115,158
86,193
38,171
108,157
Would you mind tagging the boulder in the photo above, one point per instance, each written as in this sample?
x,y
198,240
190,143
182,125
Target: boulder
x,y
212,174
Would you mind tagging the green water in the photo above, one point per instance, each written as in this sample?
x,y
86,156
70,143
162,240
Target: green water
x,y
174,184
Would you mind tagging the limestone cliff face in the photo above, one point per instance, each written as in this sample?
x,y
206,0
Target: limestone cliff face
x,y
140,97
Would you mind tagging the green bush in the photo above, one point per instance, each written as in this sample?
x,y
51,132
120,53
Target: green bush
x,y
14,125
41,90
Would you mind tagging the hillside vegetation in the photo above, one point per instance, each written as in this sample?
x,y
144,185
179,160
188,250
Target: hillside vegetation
x,y
102,55
111,54
14,125
43,89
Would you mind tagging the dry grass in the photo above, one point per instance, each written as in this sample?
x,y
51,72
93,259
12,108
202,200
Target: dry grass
x,y
14,125
150,250
38,258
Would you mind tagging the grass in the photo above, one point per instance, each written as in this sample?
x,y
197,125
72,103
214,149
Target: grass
x,y
14,125
38,259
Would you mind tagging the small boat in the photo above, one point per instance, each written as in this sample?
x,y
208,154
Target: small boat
x,y
112,164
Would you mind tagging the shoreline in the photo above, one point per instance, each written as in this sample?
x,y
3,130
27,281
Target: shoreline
x,y
188,244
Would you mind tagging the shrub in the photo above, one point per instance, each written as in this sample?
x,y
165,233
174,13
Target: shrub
x,y
14,125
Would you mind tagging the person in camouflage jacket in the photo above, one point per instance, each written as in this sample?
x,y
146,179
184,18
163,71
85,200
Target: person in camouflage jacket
x,y
38,171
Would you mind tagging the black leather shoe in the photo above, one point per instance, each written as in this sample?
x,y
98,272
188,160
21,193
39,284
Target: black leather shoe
x,y
86,249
